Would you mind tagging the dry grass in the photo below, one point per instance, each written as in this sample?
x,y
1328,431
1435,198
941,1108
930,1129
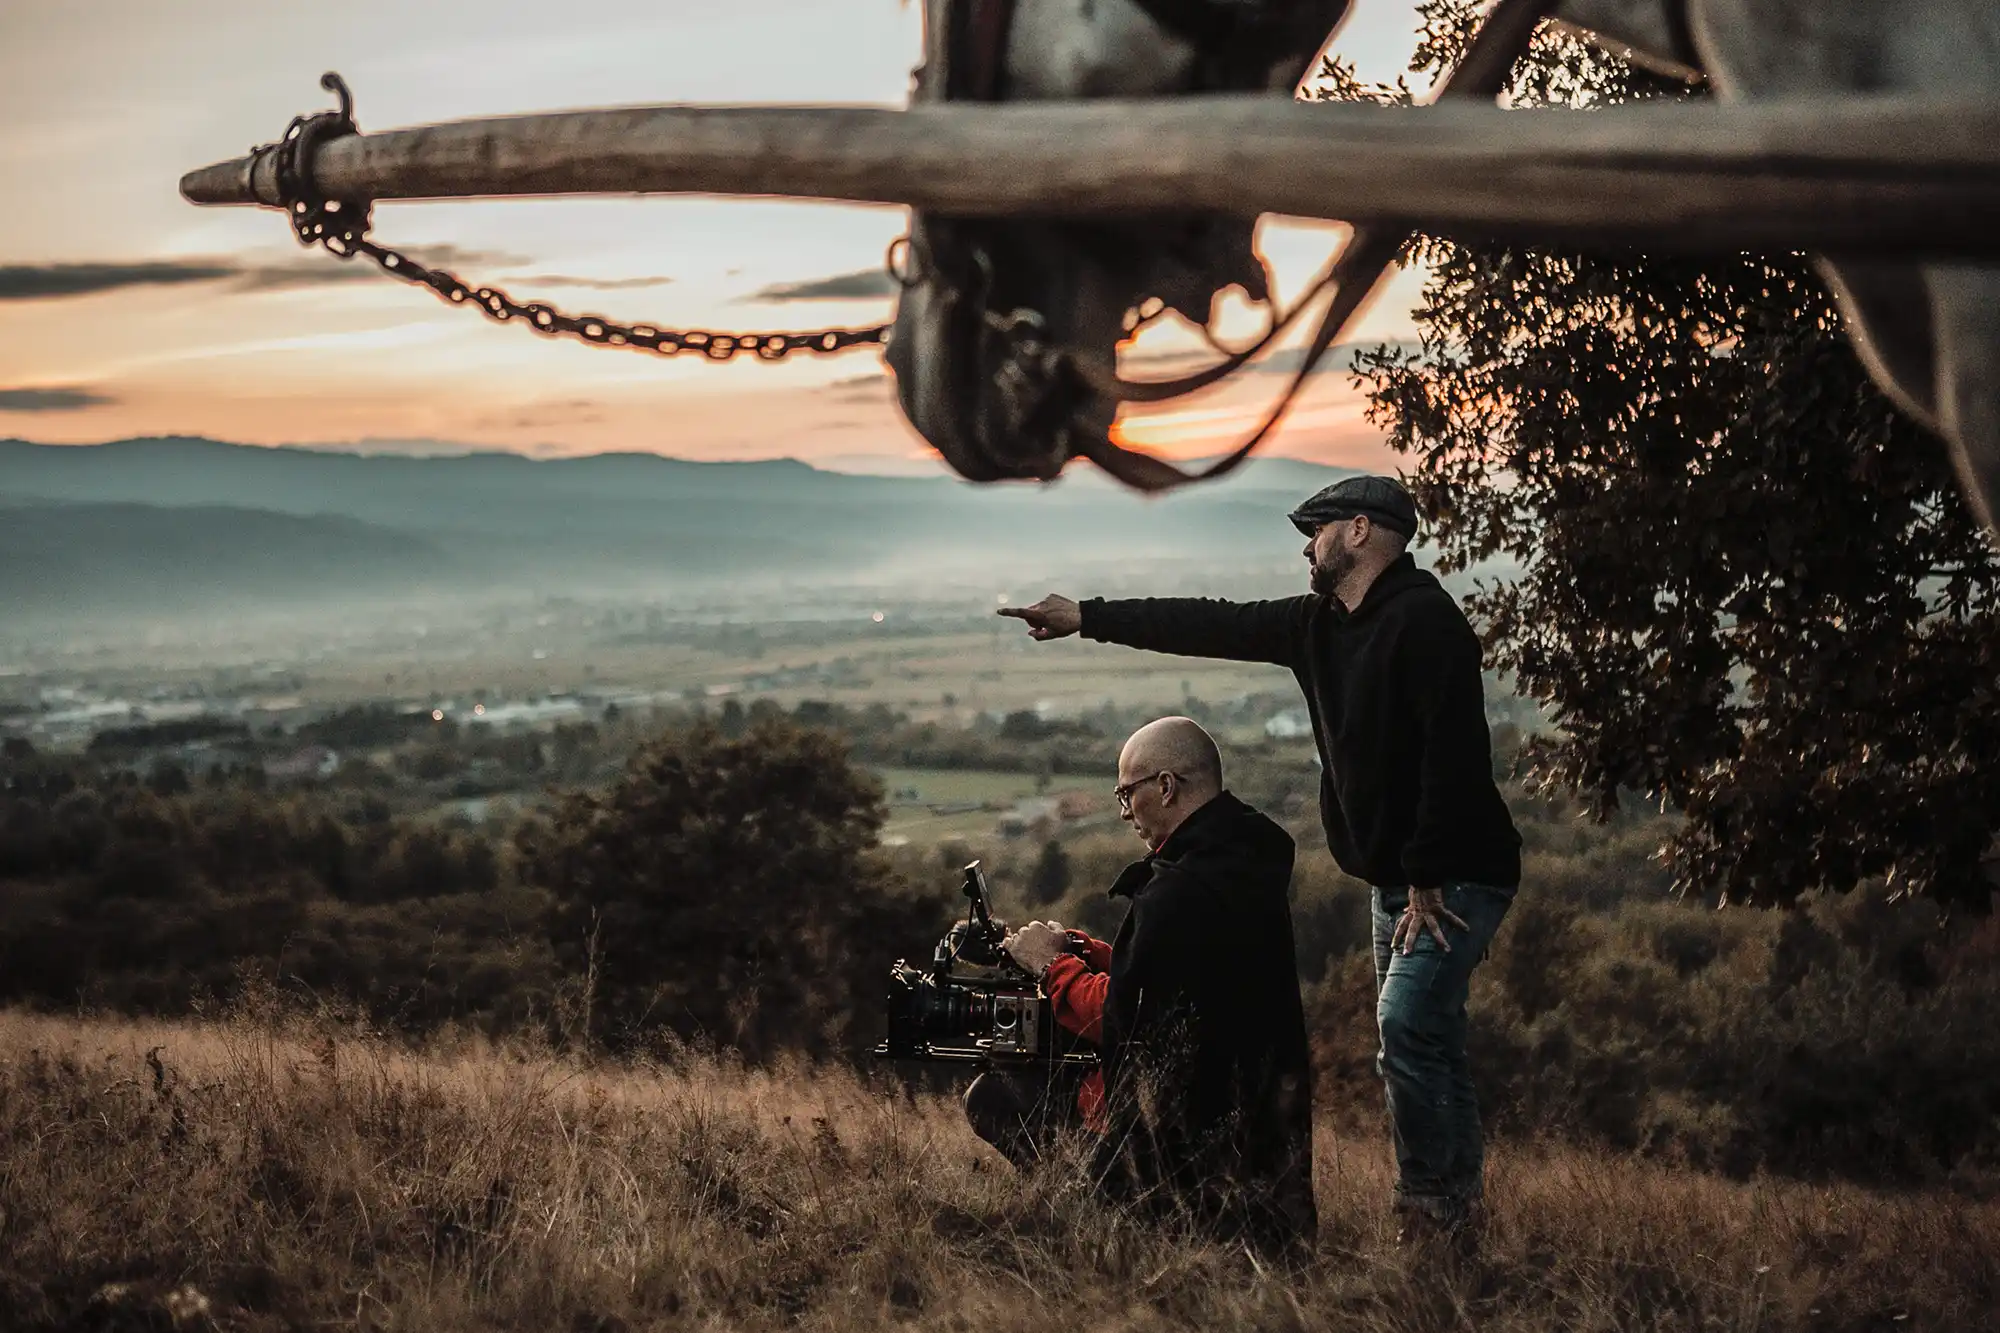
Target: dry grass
x,y
269,1175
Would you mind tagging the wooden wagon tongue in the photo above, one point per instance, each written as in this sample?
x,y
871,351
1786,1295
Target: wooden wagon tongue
x,y
1902,176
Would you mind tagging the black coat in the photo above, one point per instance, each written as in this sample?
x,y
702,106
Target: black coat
x,y
1398,710
1206,1073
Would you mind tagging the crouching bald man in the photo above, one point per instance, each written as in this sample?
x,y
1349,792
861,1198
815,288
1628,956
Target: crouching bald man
x,y
1202,1106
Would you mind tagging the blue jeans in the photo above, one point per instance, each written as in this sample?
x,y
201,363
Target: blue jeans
x,y
1420,1010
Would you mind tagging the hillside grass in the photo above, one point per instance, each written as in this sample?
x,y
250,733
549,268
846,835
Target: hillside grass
x,y
263,1172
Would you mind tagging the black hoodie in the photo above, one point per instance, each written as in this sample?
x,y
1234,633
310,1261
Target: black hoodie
x,y
1208,1084
1398,710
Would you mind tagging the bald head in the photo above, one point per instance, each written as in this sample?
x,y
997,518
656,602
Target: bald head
x,y
1166,772
1175,745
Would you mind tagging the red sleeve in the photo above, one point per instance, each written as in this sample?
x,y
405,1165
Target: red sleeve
x,y
1096,953
1077,994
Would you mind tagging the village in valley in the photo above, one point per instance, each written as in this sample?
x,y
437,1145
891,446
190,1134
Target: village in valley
x,y
489,733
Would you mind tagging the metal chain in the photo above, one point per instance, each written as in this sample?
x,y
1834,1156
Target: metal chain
x,y
341,226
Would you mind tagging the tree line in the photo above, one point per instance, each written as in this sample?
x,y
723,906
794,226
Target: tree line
x,y
732,891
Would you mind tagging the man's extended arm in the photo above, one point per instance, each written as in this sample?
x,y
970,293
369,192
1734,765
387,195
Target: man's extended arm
x,y
1202,626
1190,626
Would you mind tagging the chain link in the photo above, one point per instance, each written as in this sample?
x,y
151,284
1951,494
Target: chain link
x,y
341,226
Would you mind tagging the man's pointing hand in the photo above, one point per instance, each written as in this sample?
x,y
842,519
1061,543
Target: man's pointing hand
x,y
1054,617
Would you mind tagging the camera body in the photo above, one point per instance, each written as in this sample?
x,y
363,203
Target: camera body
x,y
974,1004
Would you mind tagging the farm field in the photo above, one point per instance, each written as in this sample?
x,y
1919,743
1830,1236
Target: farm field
x,y
264,1173
945,676
928,804
949,786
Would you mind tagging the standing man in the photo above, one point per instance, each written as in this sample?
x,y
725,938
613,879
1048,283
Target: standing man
x,y
1390,669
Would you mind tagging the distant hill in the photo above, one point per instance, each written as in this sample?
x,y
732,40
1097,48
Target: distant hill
x,y
62,557
178,470
258,520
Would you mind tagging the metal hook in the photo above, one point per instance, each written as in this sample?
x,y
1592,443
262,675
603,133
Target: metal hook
x,y
1024,327
336,85
984,263
902,263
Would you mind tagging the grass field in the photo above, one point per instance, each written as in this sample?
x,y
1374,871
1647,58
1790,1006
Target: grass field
x,y
956,785
254,1175
914,818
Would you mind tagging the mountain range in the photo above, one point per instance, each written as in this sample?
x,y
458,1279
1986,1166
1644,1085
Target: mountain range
x,y
177,522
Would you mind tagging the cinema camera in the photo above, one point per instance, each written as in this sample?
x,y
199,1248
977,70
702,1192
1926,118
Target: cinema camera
x,y
974,1004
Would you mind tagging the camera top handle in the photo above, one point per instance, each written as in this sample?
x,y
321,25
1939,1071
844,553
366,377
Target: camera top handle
x,y
981,940
982,901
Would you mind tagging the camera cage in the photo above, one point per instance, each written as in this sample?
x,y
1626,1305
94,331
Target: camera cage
x,y
972,976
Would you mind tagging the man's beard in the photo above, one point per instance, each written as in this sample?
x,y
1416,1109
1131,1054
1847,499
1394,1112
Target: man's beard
x,y
1326,577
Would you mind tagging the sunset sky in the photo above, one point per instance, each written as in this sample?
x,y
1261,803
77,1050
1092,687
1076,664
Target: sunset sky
x,y
124,311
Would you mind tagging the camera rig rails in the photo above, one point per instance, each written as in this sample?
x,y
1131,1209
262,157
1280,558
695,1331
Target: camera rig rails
x,y
974,1004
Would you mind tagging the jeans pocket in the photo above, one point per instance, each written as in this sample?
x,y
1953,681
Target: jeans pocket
x,y
1482,909
1418,972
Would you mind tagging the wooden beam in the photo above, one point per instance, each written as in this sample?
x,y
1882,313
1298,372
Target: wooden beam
x,y
1881,175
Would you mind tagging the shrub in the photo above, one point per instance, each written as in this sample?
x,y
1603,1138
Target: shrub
x,y
728,889
1847,1038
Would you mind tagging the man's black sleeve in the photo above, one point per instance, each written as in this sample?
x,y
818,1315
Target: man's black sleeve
x,y
1440,656
1271,631
1152,971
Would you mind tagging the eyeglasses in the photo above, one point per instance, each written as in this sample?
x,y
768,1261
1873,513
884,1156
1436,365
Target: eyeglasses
x,y
1123,791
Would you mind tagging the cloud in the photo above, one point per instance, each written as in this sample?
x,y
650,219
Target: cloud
x,y
324,270
41,282
861,284
447,255
590,284
67,399
33,282
303,272
872,387
544,415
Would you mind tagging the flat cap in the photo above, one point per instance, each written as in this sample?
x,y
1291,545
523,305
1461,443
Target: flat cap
x,y
1382,499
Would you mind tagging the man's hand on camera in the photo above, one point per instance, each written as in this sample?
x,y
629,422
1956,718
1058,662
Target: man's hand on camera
x,y
1426,911
1036,945
1054,617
